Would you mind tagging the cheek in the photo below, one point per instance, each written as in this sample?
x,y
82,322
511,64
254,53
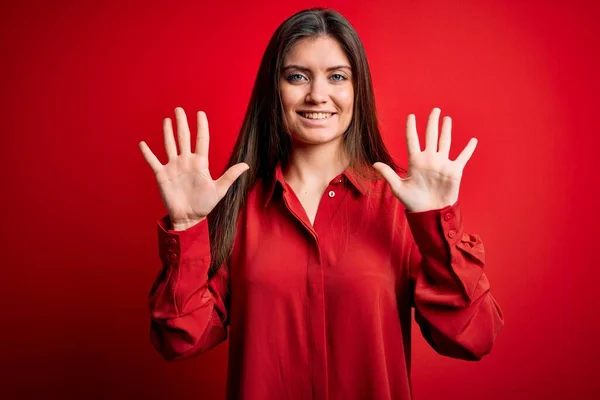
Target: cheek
x,y
289,97
345,99
287,104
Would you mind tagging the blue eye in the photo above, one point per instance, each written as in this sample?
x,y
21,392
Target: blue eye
x,y
294,77
339,78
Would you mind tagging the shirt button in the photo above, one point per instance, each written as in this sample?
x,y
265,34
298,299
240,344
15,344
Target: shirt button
x,y
173,241
331,193
448,216
172,256
451,233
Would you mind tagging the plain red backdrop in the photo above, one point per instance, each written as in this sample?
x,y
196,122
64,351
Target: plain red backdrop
x,y
84,82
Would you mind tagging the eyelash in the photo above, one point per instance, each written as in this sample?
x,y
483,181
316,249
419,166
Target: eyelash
x,y
290,77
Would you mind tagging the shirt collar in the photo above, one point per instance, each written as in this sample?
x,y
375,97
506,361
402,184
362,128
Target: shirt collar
x,y
358,182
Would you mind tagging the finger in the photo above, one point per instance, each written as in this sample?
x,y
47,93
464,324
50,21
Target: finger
x,y
445,136
203,138
183,131
412,138
227,179
431,134
151,159
170,145
467,152
389,175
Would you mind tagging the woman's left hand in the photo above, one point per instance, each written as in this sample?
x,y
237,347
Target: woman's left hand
x,y
433,180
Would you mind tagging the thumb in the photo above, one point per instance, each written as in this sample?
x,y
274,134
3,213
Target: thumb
x,y
389,175
230,176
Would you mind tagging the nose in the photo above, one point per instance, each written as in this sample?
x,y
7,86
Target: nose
x,y
319,91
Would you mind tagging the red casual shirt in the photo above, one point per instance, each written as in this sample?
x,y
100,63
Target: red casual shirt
x,y
324,311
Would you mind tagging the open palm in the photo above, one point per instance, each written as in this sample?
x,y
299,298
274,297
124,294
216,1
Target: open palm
x,y
186,185
433,180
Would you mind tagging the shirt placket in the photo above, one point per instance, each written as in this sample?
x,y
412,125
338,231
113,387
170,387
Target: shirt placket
x,y
332,197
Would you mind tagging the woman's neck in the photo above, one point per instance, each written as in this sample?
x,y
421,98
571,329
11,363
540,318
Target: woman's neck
x,y
313,167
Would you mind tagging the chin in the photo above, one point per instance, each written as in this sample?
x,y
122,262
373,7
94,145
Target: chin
x,y
315,138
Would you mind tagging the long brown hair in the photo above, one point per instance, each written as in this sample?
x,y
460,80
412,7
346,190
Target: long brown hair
x,y
262,142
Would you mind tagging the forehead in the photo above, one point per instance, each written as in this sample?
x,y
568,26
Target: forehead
x,y
318,53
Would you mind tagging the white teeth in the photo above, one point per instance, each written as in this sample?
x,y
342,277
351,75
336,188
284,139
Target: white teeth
x,y
316,115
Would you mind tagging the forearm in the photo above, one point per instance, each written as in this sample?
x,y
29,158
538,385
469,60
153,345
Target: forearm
x,y
187,310
454,307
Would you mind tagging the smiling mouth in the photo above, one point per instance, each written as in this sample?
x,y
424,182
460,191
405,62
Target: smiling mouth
x,y
315,116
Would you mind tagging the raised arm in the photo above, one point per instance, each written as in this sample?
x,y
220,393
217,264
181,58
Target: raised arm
x,y
455,310
188,310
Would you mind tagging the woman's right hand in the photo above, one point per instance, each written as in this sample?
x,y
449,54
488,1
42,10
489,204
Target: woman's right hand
x,y
186,186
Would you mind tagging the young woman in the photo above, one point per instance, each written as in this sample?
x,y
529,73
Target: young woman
x,y
301,253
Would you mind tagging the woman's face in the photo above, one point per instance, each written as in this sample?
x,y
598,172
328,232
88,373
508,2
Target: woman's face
x,y
316,91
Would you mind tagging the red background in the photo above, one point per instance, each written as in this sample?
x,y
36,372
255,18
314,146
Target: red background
x,y
84,82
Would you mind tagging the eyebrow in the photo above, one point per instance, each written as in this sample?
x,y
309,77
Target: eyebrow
x,y
305,69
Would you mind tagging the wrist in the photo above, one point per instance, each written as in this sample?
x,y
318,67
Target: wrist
x,y
183,225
